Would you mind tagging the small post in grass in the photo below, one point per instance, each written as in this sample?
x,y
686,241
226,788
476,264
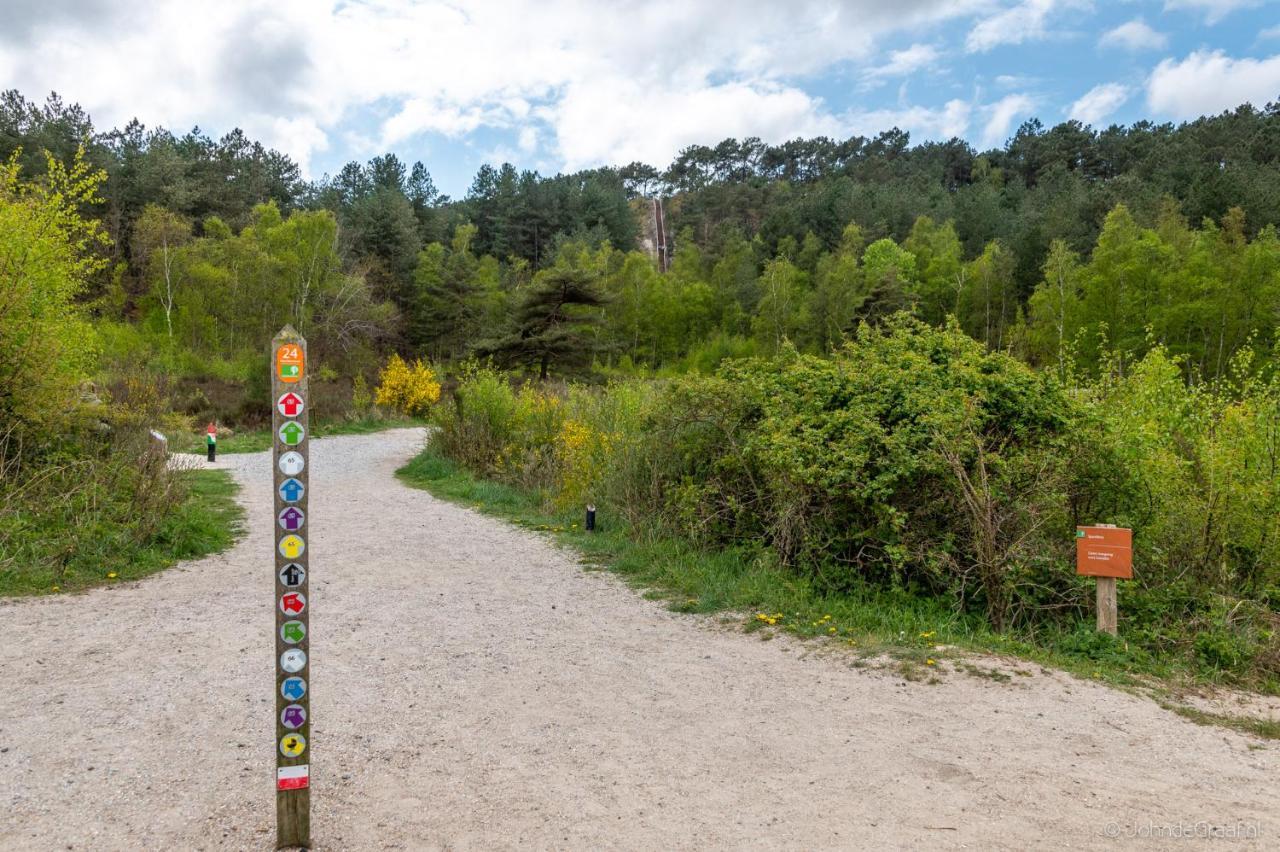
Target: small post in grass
x,y
1105,551
211,441
590,524
290,465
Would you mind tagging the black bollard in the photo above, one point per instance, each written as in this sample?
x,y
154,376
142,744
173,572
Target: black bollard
x,y
591,518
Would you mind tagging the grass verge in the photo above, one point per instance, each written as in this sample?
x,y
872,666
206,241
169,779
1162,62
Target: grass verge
x,y
921,637
208,520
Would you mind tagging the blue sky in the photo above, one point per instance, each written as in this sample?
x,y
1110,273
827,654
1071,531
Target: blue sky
x,y
567,84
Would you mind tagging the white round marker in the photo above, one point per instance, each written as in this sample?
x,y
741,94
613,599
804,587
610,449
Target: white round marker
x,y
292,463
293,660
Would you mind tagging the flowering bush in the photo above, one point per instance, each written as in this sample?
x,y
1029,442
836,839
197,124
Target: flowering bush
x,y
412,390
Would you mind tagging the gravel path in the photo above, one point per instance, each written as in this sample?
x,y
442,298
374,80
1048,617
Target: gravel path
x,y
474,688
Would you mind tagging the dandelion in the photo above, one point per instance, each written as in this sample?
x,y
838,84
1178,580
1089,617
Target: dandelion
x,y
926,635
57,588
111,576
831,630
929,661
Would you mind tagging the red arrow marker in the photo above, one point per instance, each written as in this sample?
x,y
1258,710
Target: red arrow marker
x,y
290,404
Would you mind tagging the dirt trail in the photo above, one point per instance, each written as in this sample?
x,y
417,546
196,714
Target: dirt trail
x,y
474,688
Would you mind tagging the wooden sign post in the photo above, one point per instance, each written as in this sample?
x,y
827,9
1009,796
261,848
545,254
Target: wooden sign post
x,y
1105,552
290,464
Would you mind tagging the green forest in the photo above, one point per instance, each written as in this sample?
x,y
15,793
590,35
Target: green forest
x,y
876,367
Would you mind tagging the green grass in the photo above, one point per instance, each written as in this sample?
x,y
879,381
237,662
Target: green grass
x,y
257,440
754,593
207,521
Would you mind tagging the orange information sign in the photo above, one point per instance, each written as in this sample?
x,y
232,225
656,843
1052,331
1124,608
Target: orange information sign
x,y
289,362
1104,552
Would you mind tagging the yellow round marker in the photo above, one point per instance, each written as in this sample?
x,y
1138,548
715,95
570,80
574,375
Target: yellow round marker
x,y
292,745
291,546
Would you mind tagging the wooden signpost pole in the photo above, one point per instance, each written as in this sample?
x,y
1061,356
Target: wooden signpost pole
x,y
291,467
1107,616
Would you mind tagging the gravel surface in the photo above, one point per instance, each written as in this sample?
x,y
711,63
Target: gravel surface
x,y
475,688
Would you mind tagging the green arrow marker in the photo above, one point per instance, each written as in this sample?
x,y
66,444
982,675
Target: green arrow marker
x,y
291,434
292,631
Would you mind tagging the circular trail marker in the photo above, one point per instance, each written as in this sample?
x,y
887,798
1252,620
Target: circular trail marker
x,y
293,688
293,660
293,745
292,463
291,547
293,717
293,632
293,603
292,575
291,433
289,404
291,518
291,490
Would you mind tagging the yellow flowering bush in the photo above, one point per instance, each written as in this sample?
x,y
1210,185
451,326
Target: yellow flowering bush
x,y
582,454
408,389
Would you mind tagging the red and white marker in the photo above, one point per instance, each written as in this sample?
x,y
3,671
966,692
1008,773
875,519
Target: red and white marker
x,y
293,777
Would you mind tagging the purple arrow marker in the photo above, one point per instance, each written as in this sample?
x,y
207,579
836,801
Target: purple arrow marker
x,y
291,519
293,717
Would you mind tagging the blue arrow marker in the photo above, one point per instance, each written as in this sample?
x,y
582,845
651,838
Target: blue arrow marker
x,y
291,490
293,688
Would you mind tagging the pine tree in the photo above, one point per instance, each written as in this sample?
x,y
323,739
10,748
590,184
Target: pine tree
x,y
553,322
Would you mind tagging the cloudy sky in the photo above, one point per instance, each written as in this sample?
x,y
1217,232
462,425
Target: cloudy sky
x,y
561,85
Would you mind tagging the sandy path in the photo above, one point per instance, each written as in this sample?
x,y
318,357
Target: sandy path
x,y
474,689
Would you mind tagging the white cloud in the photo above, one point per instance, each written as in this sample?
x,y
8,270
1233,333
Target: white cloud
x,y
527,140
1134,35
1025,21
1000,117
1015,81
904,62
596,82
613,121
921,122
418,115
1214,10
1099,102
1209,82
1270,32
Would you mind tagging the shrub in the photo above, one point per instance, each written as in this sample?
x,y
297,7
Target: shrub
x,y
411,390
916,460
361,400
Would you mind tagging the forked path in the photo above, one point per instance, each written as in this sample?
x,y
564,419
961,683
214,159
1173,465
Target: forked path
x,y
475,688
